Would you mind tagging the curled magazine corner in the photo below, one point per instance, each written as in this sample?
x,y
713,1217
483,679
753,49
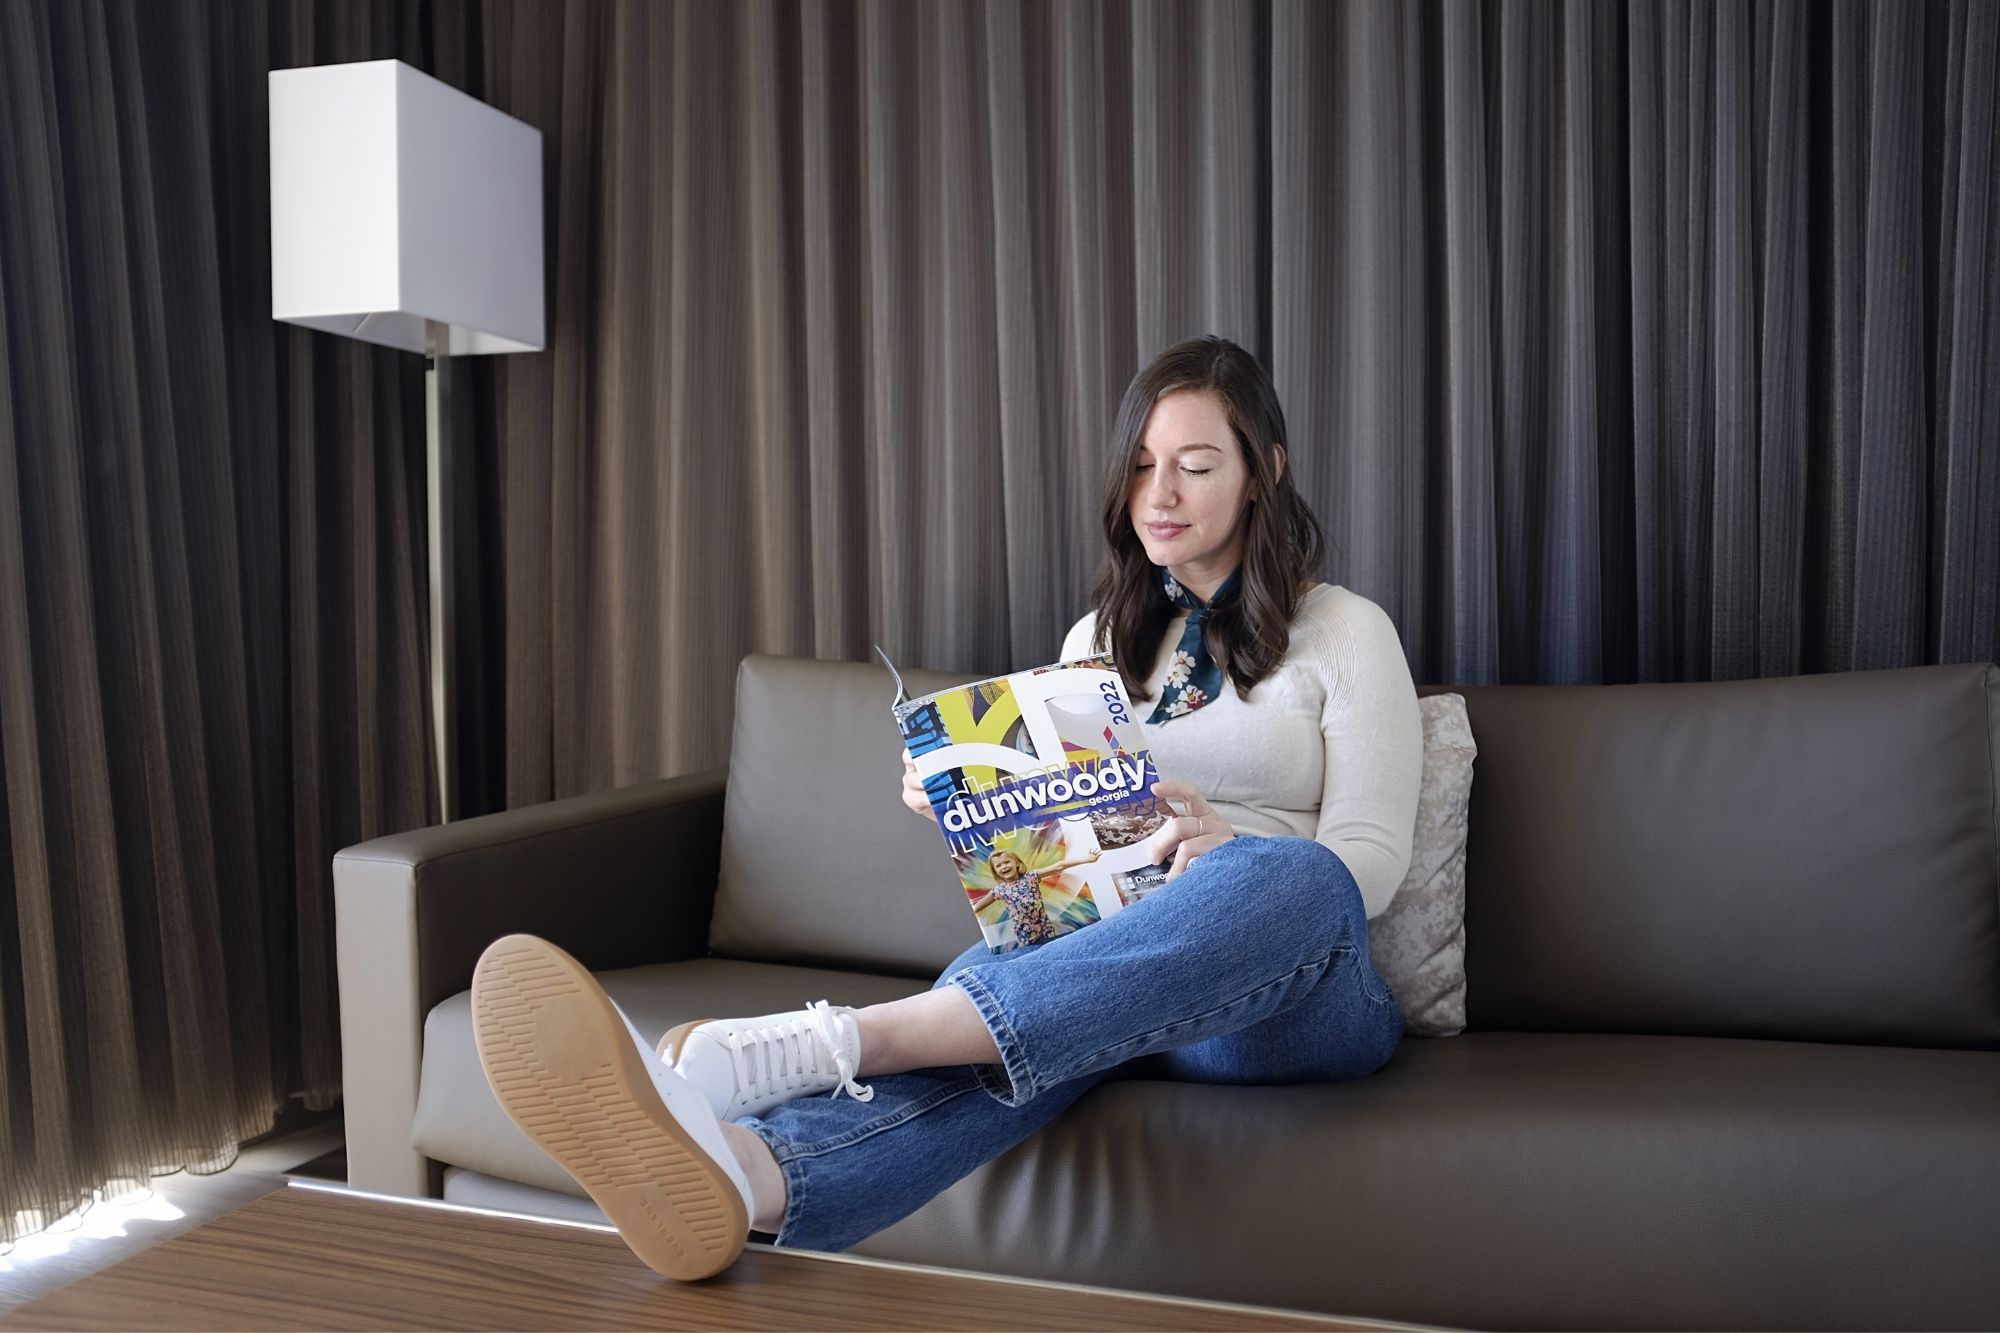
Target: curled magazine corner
x,y
902,692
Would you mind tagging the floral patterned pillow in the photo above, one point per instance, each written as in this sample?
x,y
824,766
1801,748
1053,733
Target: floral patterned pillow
x,y
1418,944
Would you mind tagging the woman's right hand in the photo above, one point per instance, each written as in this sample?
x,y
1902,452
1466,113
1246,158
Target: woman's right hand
x,y
913,790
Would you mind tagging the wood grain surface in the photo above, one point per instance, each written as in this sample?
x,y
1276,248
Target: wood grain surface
x,y
319,1259
190,1202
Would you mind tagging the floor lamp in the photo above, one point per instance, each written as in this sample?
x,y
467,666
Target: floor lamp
x,y
405,213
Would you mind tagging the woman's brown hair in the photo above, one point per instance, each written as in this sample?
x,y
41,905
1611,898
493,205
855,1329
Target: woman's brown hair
x,y
1249,631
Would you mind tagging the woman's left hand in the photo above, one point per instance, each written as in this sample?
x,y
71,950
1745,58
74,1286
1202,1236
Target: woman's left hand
x,y
1187,835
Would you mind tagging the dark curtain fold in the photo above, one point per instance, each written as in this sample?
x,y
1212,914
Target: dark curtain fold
x,y
210,606
1651,341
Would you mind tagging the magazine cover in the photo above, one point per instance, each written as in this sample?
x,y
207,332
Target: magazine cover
x,y
1042,782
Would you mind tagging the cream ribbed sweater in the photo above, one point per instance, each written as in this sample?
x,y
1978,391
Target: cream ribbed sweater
x,y
1330,747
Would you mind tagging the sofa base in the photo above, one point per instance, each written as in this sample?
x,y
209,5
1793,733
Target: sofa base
x,y
475,1190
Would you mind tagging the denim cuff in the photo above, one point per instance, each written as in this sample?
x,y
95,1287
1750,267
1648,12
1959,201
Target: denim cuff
x,y
795,1178
1017,1084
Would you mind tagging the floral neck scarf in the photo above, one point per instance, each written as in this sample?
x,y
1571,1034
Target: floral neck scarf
x,y
1194,679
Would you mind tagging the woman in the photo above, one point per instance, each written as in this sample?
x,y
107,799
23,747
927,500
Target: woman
x,y
1287,716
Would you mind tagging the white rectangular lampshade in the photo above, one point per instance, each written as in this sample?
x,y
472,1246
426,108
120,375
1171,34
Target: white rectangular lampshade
x,y
397,199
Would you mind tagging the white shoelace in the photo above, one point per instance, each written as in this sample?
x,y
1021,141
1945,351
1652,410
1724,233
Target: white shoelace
x,y
788,1054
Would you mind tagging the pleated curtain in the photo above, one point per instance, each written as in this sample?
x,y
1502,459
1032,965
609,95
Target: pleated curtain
x,y
211,608
1649,341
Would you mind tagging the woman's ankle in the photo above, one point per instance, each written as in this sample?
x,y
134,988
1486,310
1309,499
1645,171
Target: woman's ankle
x,y
767,1180
929,1030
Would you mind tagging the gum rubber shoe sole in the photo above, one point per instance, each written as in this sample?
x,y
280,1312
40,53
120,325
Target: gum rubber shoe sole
x,y
671,1045
566,1070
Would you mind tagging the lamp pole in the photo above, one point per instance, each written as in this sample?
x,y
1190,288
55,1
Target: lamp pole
x,y
441,473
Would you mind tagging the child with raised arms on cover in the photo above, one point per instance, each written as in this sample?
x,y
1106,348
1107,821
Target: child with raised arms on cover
x,y
1020,889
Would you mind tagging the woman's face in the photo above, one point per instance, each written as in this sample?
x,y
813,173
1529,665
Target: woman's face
x,y
1190,491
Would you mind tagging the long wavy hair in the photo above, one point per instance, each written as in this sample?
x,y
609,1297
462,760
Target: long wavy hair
x,y
1249,631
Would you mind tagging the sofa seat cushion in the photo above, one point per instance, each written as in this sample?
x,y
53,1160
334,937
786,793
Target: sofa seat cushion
x,y
1783,1180
459,1121
1779,1184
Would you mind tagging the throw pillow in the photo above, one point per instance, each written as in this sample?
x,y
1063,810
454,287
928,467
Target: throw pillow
x,y
1418,944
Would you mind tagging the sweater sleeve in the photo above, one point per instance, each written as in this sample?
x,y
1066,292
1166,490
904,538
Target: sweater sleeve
x,y
1374,751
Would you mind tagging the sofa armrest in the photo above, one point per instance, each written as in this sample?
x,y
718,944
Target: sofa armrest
x,y
618,878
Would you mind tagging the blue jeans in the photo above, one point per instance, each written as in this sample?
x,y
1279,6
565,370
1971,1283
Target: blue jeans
x,y
1250,968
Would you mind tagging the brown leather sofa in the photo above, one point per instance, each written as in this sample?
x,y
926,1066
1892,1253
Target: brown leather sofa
x,y
1733,1045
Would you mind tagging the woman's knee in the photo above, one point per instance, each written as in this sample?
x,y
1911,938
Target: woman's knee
x,y
1310,879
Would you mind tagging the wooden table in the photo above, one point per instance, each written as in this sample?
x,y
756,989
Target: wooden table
x,y
318,1257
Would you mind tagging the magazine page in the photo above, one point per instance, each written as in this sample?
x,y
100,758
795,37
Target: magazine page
x,y
1042,784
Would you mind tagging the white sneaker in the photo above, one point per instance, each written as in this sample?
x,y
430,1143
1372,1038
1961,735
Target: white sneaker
x,y
749,1065
572,1072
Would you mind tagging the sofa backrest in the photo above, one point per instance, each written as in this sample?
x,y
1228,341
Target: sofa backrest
x,y
821,860
1811,858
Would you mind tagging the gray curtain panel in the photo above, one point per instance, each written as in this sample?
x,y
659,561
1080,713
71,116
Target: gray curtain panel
x,y
211,672
1618,342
